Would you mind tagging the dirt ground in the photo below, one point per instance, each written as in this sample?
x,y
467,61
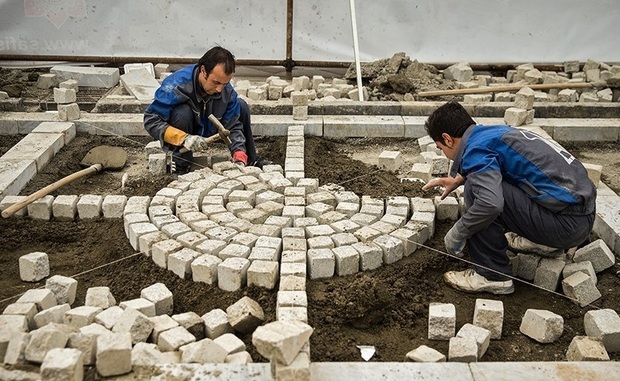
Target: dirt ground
x,y
386,308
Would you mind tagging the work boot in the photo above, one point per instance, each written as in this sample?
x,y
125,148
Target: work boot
x,y
260,162
523,245
470,281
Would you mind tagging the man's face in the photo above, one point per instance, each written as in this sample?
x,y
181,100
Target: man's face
x,y
214,81
448,146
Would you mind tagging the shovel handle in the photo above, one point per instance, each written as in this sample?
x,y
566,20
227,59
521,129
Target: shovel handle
x,y
11,210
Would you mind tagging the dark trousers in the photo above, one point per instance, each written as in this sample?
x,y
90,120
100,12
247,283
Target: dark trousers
x,y
521,215
183,118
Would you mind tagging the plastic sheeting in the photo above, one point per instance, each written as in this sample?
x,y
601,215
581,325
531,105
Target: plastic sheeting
x,y
430,31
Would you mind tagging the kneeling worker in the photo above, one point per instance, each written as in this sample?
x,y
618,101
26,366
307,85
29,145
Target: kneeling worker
x,y
515,181
178,116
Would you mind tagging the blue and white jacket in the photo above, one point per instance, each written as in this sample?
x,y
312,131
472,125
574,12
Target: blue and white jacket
x,y
182,87
546,172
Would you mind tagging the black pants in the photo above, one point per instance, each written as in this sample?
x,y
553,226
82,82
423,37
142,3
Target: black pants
x,y
183,118
521,215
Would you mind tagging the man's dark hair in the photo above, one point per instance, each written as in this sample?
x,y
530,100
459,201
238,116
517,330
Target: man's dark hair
x,y
450,118
215,56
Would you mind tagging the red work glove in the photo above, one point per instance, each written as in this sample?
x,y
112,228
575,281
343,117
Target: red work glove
x,y
240,157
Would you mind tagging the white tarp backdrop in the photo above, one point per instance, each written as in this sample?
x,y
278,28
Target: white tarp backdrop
x,y
427,30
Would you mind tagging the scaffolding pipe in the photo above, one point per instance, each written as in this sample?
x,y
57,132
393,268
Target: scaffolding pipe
x,y
356,52
121,60
289,64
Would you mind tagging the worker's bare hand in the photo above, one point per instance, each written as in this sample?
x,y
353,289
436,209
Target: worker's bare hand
x,y
448,183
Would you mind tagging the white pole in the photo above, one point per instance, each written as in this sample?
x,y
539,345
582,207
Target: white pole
x,y
356,51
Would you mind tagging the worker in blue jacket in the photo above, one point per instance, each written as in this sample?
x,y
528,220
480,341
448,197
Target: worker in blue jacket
x,y
515,181
178,116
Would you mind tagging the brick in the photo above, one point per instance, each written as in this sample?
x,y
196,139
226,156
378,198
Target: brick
x,y
425,354
34,266
174,338
542,325
109,317
113,206
527,265
43,298
29,310
245,315
135,323
392,247
605,325
489,314
462,349
281,341
192,322
263,274
85,344
160,296
41,209
481,336
581,289
64,288
180,262
216,323
598,253
321,263
114,354
64,207
446,209
99,297
390,160
202,352
161,323
232,274
230,343
585,348
347,260
81,316
548,273
160,251
54,314
371,255
63,364
441,321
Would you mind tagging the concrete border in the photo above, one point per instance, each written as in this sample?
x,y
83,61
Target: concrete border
x,y
341,126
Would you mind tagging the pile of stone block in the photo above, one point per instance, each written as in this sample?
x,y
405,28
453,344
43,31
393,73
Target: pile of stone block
x,y
602,328
523,110
576,275
469,344
42,328
301,90
285,344
471,341
65,97
602,76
